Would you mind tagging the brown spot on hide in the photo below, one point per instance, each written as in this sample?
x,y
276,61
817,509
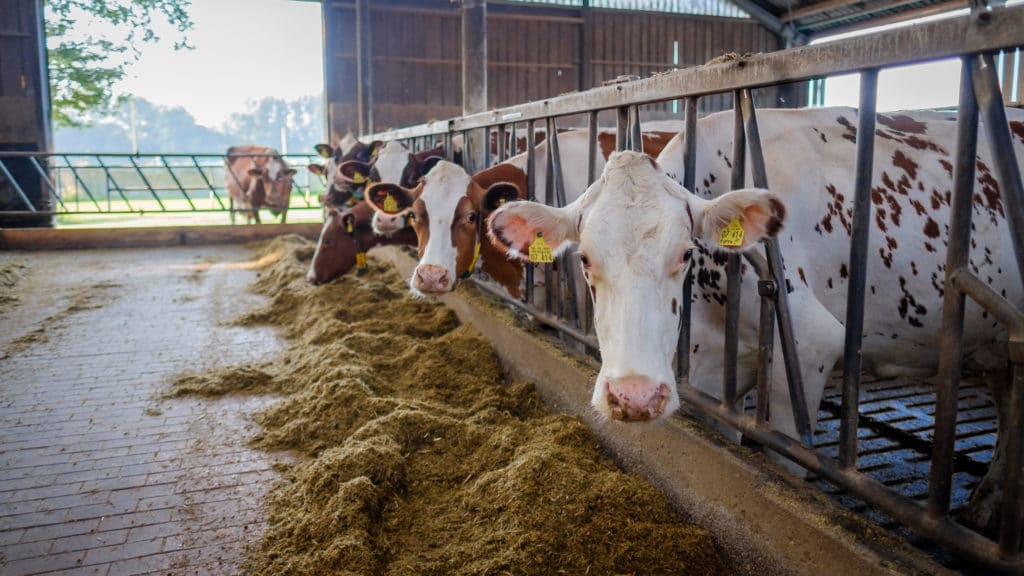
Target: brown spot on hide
x,y
900,160
851,131
947,165
931,228
902,123
1017,127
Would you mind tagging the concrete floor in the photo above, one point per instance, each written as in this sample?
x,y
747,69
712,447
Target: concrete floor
x,y
98,475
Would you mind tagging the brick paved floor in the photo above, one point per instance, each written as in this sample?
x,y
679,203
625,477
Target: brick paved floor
x,y
97,474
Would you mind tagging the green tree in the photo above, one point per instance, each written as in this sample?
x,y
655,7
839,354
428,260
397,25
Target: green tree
x,y
84,67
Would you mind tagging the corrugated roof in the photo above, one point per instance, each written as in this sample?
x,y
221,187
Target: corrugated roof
x,y
722,8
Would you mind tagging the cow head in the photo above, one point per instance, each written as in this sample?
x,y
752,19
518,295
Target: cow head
x,y
635,228
338,245
392,207
396,163
445,209
346,178
271,185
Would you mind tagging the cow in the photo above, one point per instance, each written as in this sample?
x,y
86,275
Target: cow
x,y
345,172
638,232
397,164
344,240
255,177
450,208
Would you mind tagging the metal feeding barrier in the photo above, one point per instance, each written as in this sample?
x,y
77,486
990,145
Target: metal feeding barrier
x,y
975,39
79,184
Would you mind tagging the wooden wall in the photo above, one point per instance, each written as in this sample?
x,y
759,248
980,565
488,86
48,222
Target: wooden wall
x,y
534,52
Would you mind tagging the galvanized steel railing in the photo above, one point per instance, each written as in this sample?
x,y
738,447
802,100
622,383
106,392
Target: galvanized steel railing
x,y
93,184
975,39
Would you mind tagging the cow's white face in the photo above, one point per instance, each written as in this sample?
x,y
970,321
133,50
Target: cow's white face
x,y
391,162
636,227
445,224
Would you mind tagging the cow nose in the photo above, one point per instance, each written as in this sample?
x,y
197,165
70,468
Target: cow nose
x,y
432,278
311,278
636,398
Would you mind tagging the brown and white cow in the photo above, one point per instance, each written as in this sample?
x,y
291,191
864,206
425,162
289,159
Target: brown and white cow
x,y
257,176
346,171
449,203
638,231
346,237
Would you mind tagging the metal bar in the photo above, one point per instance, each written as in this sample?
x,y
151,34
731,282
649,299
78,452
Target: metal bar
x,y
502,151
540,316
177,182
449,153
49,183
566,270
111,179
861,229
689,167
813,9
990,105
951,340
636,140
622,128
17,187
148,185
531,194
551,282
468,160
730,369
794,378
593,134
1003,312
1009,534
81,182
964,542
213,191
487,147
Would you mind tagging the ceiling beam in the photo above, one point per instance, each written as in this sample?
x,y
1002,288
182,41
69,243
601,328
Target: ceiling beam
x,y
818,8
770,21
894,18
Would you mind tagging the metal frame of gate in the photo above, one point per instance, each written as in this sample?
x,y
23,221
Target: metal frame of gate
x,y
974,38
127,177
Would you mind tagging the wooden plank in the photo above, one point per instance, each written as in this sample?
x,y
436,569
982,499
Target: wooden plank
x,y
52,239
17,120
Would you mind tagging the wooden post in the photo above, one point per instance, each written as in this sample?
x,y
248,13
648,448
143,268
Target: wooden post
x,y
474,72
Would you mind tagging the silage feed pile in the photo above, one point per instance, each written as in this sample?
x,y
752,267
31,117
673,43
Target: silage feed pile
x,y
420,459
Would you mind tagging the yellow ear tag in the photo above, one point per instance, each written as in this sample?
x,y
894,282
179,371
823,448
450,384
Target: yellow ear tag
x,y
390,205
732,234
358,178
540,252
361,260
348,226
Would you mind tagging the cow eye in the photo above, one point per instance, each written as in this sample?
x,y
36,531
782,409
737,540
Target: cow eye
x,y
471,217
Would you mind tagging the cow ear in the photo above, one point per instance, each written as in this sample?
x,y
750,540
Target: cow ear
x,y
323,150
738,220
389,198
517,225
498,194
316,169
429,163
354,171
348,222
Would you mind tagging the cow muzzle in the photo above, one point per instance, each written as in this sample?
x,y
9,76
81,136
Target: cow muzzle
x,y
635,398
432,279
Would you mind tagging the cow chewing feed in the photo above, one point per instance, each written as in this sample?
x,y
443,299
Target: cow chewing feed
x,y
809,157
450,210
256,176
345,239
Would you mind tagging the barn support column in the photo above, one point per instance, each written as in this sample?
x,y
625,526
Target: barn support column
x,y
364,46
474,74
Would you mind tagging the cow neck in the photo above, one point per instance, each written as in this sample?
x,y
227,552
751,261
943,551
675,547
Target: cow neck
x,y
493,261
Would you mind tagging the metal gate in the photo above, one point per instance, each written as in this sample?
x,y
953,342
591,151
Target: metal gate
x,y
976,39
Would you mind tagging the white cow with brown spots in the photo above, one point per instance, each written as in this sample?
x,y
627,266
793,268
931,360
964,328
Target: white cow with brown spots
x,y
634,228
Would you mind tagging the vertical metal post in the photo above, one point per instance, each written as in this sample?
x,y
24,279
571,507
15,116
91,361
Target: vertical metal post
x,y
551,282
487,147
502,151
732,270
566,271
794,378
861,227
592,152
636,142
689,167
531,193
622,128
951,342
990,104
1010,531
